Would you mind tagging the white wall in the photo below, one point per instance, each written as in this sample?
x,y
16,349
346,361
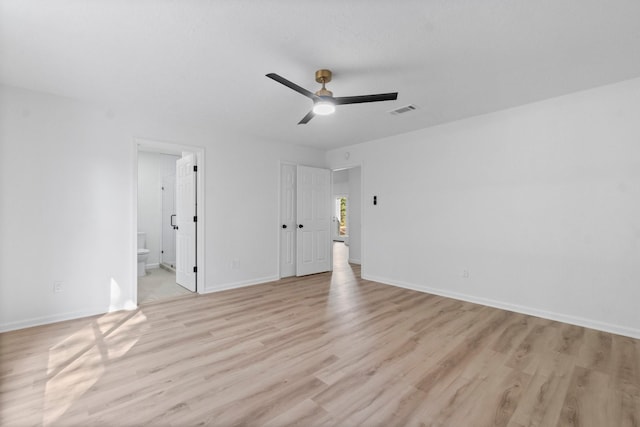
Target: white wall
x,y
66,205
340,183
355,213
152,167
540,204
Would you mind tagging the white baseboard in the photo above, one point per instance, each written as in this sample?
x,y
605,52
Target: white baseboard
x,y
37,321
354,261
45,320
240,284
573,320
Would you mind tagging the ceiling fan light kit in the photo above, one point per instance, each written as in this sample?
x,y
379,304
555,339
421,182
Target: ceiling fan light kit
x,y
324,107
324,103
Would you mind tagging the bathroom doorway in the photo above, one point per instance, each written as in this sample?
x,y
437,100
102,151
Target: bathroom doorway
x,y
156,229
167,176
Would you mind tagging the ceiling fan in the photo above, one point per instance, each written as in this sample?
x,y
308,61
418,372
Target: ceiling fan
x,y
323,100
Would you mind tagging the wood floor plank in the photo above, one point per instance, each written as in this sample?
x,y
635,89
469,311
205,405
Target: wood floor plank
x,y
305,414
324,350
586,400
542,400
625,373
595,352
496,400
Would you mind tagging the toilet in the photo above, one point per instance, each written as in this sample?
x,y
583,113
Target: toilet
x,y
143,254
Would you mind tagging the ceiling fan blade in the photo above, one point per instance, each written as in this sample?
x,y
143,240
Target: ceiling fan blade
x,y
342,100
291,85
310,115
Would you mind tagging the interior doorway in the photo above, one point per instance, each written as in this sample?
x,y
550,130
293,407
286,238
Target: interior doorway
x,y
340,222
156,249
347,211
168,201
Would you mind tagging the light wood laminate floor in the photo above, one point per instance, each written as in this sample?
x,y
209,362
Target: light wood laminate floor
x,y
324,350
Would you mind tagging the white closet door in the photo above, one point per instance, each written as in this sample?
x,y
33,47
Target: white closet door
x,y
288,225
313,249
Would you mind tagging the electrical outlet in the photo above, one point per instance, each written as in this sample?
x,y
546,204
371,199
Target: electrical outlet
x,y
57,287
465,273
235,264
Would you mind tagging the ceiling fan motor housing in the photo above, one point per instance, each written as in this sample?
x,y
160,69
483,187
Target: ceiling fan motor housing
x,y
323,76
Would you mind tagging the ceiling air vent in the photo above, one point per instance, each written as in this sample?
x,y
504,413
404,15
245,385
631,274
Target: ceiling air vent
x,y
403,110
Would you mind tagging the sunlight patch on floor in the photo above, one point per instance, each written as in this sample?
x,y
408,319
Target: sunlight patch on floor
x,y
77,363
340,296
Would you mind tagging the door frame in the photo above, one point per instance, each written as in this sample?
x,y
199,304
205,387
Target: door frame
x,y
143,144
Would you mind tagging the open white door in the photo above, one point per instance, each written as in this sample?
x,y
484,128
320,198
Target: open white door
x,y
288,225
313,251
186,221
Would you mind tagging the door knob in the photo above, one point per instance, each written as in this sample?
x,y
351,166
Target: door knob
x,y
300,226
284,225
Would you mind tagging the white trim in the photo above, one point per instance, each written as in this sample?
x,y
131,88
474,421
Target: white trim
x,y
61,317
142,144
241,284
565,318
354,261
331,199
363,215
133,223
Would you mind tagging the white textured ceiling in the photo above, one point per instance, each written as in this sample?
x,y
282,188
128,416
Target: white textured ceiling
x,y
202,63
